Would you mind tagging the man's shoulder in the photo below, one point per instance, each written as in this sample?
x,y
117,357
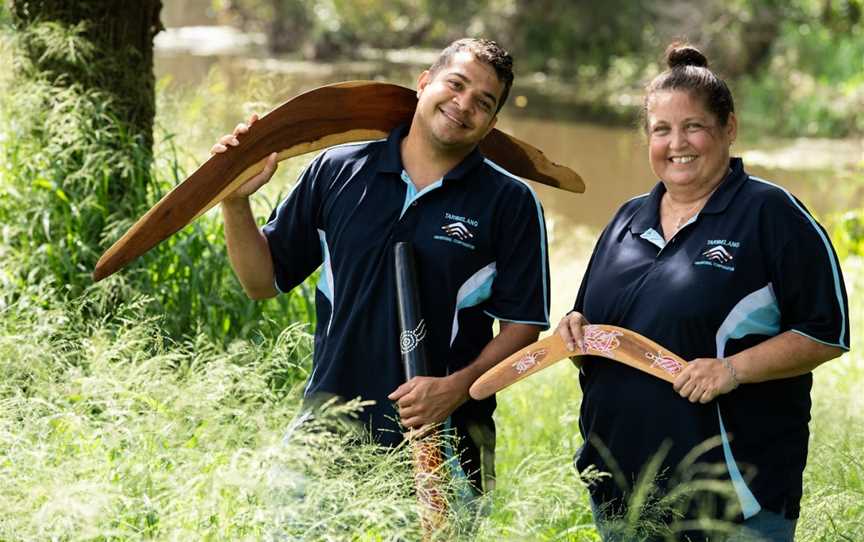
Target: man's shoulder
x,y
496,177
350,152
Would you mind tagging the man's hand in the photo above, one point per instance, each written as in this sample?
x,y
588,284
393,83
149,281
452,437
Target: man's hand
x,y
704,379
232,140
426,400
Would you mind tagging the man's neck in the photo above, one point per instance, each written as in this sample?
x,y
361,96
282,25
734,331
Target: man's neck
x,y
426,163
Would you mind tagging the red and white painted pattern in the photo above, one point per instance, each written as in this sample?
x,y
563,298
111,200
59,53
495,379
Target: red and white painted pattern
x,y
529,360
664,362
598,339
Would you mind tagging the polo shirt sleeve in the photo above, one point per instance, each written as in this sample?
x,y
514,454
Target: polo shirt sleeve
x,y
292,230
520,291
805,273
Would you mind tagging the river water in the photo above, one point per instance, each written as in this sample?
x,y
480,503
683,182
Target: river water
x,y
611,159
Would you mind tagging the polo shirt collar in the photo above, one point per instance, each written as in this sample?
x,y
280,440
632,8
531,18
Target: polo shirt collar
x,y
391,158
648,215
722,197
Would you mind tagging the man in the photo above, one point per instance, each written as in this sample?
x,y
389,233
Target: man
x,y
478,236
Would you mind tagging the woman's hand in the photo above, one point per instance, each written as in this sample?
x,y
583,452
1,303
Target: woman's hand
x,y
570,330
232,140
704,379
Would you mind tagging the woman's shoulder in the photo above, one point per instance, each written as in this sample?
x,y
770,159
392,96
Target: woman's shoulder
x,y
781,215
773,199
630,207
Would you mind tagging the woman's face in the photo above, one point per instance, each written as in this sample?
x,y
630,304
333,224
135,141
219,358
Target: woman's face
x,y
688,148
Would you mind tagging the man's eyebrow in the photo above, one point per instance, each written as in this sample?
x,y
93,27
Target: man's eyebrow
x,y
463,77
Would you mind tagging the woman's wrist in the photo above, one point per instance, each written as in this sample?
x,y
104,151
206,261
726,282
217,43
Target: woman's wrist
x,y
733,374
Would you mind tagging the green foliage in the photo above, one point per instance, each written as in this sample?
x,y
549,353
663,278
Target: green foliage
x,y
76,179
566,37
797,68
813,86
847,233
70,165
65,163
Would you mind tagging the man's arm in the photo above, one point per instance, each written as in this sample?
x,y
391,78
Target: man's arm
x,y
248,250
429,400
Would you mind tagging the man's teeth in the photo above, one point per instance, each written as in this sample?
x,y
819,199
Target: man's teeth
x,y
682,159
454,119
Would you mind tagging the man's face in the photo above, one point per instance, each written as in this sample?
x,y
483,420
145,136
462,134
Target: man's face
x,y
458,104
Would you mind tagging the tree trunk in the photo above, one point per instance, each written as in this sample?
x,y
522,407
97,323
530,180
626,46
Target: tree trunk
x,y
84,96
122,33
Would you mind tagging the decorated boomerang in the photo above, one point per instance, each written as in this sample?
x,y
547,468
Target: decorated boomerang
x,y
613,342
320,118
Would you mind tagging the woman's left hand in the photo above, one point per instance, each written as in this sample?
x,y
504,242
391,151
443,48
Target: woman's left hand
x,y
704,379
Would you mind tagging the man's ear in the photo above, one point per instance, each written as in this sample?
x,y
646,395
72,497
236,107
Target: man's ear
x,y
422,81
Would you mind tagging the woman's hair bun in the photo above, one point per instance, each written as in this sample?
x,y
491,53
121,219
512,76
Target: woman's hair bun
x,y
681,55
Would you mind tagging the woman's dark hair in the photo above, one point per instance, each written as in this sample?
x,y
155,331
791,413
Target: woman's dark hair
x,y
688,71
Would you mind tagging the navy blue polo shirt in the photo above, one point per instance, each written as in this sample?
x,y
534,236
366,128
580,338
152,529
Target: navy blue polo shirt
x,y
480,244
751,265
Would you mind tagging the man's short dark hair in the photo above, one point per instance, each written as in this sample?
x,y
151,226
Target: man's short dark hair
x,y
485,51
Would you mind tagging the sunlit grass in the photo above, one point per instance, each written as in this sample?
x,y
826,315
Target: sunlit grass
x,y
109,432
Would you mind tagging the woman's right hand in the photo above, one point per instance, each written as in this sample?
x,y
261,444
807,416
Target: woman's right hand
x,y
570,330
232,140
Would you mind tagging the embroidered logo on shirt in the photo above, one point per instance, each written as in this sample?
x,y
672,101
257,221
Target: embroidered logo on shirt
x,y
458,230
718,253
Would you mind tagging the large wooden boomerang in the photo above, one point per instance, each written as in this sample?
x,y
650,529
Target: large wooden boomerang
x,y
320,118
613,342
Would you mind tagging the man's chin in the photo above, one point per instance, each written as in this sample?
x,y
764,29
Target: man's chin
x,y
456,141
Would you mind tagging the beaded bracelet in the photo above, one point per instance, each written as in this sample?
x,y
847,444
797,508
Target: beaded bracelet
x,y
732,372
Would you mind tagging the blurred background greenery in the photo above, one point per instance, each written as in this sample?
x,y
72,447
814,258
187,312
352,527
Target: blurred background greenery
x,y
799,64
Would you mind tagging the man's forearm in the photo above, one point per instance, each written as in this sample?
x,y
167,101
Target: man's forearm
x,y
248,250
511,338
424,399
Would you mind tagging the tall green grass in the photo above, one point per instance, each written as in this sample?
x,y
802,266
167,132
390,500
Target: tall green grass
x,y
111,431
74,180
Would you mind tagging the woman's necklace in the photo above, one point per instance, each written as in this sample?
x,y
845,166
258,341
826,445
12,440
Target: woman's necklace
x,y
684,218
680,220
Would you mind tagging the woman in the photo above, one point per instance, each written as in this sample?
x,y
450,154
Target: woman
x,y
732,273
